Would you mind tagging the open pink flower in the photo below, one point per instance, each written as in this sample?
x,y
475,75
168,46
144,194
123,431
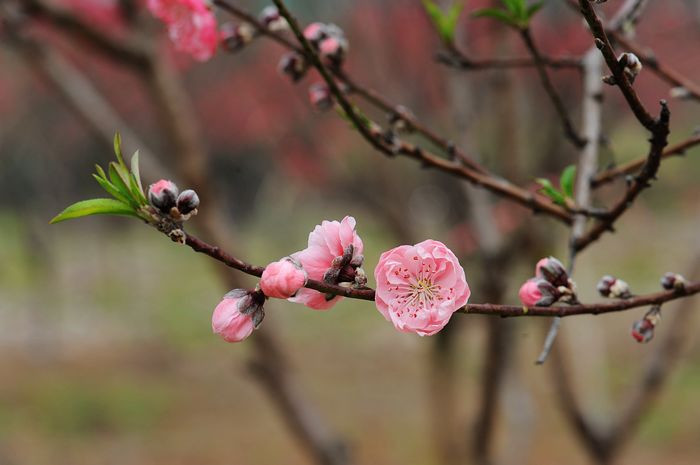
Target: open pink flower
x,y
283,279
326,242
191,25
420,286
228,321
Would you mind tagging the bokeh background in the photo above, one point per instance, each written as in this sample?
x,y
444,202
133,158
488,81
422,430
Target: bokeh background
x,y
106,351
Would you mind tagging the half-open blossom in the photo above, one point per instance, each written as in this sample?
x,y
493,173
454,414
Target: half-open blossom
x,y
282,279
232,318
328,242
163,195
420,286
538,292
191,25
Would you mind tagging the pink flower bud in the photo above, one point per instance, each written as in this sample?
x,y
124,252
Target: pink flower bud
x,y
187,201
282,279
643,330
537,292
232,318
315,32
333,50
163,195
552,270
320,96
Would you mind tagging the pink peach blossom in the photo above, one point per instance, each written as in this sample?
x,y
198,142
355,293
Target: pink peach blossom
x,y
282,279
228,321
191,25
326,242
420,286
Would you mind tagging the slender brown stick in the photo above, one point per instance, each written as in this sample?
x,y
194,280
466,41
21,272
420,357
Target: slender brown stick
x,y
611,174
559,106
457,59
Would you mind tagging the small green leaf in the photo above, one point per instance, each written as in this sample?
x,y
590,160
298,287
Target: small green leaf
x,y
120,180
534,8
498,14
113,191
94,207
136,190
566,180
136,171
118,149
100,172
549,190
445,23
516,7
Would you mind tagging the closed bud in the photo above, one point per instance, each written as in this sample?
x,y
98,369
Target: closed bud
x,y
315,33
293,65
272,19
673,281
360,277
163,195
187,201
283,279
632,65
235,36
538,292
333,50
232,319
643,330
320,96
553,271
612,287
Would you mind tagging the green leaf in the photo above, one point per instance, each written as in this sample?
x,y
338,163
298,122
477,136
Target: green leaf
x,y
113,191
549,190
136,190
120,180
118,149
532,9
100,172
516,7
495,13
94,207
136,171
445,23
566,180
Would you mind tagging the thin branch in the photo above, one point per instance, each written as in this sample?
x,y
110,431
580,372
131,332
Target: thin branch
x,y
639,183
559,106
633,166
478,309
456,59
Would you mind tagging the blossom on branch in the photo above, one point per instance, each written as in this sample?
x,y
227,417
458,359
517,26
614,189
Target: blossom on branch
x,y
238,314
420,286
283,279
334,255
191,25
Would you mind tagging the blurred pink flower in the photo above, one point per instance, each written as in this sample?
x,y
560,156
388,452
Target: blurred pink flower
x,y
326,242
228,321
282,279
420,286
191,25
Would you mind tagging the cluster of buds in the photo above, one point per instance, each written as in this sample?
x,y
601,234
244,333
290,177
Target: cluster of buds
x,y
631,66
329,41
235,36
613,288
238,314
270,17
165,197
643,330
551,284
671,281
347,269
293,65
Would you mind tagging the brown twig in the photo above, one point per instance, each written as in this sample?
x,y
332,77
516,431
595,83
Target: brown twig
x,y
569,130
611,174
457,59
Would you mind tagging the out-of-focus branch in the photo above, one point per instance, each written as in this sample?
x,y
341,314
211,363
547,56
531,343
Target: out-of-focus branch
x,y
608,175
540,64
592,113
456,59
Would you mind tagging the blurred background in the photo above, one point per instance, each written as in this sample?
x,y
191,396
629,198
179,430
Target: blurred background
x,y
106,351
